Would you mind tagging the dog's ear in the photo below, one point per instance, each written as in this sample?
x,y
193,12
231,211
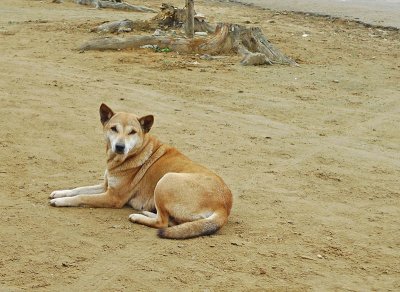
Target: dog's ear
x,y
146,122
105,113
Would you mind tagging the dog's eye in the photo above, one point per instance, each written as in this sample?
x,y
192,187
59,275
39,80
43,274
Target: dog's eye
x,y
132,132
114,129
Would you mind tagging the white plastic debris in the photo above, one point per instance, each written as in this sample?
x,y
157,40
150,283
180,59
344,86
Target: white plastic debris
x,y
201,33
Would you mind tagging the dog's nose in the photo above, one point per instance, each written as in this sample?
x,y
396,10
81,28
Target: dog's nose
x,y
119,148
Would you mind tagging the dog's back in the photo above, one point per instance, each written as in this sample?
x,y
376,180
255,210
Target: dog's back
x,y
195,198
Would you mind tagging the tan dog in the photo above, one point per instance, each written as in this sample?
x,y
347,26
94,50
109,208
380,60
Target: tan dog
x,y
151,176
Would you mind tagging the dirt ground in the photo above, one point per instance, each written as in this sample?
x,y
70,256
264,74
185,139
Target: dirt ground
x,y
311,153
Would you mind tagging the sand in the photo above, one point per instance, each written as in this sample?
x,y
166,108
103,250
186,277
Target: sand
x,y
311,154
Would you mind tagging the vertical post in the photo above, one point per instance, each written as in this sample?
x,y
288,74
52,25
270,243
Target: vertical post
x,y
189,27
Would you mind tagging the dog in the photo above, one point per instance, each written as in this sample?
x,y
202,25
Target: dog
x,y
174,194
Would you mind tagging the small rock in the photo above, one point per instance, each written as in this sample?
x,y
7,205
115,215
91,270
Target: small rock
x,y
254,59
206,57
124,29
154,47
237,243
158,32
262,271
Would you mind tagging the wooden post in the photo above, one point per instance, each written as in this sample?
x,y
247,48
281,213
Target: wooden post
x,y
189,27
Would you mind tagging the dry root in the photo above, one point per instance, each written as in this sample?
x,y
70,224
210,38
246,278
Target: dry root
x,y
115,4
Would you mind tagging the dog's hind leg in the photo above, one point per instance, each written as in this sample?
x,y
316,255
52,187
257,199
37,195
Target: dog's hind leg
x,y
89,190
159,220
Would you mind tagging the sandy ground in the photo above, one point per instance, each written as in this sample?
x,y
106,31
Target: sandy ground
x,y
311,154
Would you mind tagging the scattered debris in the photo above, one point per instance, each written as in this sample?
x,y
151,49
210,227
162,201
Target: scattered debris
x,y
201,33
209,57
159,32
307,258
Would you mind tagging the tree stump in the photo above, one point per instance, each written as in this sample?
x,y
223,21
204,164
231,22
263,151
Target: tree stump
x,y
228,38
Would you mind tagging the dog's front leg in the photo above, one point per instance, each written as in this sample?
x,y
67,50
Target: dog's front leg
x,y
103,200
89,190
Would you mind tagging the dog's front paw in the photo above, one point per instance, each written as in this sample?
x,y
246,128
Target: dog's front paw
x,y
60,194
132,217
136,217
60,202
145,214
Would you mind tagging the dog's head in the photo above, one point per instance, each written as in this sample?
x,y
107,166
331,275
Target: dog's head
x,y
124,132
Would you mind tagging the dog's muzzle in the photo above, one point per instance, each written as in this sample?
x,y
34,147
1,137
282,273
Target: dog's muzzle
x,y
120,148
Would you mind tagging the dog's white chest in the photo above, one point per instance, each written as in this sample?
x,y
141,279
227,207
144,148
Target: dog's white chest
x,y
112,181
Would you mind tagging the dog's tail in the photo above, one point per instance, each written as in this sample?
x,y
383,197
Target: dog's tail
x,y
196,228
